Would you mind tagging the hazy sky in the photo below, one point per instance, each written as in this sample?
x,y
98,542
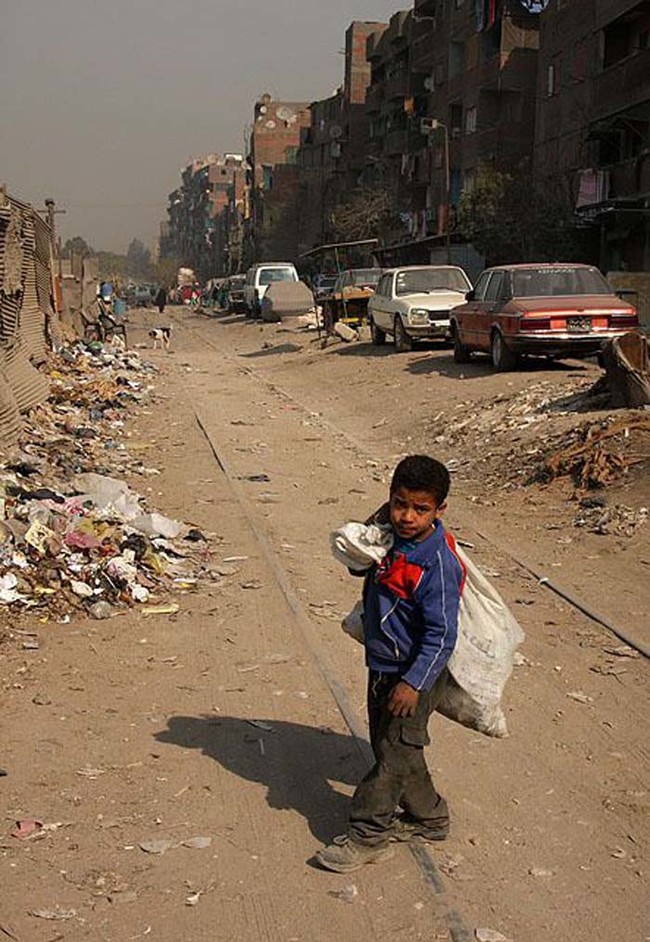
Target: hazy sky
x,y
102,103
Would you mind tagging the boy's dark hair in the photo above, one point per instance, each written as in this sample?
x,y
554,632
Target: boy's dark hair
x,y
421,473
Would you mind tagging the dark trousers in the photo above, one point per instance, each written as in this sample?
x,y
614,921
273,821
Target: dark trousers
x,y
400,776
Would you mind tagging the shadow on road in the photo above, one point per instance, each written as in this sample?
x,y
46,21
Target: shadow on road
x,y
271,351
445,365
294,762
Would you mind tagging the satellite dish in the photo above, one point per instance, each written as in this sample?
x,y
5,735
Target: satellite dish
x,y
286,114
270,125
335,132
534,6
263,109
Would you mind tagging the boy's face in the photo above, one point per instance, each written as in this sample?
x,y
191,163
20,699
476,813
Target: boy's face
x,y
413,513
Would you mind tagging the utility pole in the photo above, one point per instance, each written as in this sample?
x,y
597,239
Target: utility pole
x,y
51,212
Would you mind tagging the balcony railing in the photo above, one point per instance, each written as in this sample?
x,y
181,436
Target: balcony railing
x,y
395,142
623,85
422,53
374,98
397,86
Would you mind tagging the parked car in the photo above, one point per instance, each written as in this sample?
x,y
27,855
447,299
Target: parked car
x,y
142,296
551,309
322,286
259,277
415,302
235,289
348,300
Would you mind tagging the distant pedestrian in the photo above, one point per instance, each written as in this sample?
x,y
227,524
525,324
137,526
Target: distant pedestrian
x,y
161,298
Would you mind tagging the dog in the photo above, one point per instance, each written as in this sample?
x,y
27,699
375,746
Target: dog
x,y
162,336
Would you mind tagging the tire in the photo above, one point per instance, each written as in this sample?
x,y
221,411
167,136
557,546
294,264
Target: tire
x,y
377,336
462,353
503,358
401,340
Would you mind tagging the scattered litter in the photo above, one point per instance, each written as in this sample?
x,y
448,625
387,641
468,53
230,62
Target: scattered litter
x,y
347,894
90,773
198,843
619,853
27,828
251,584
193,898
540,872
170,609
75,536
156,847
490,935
579,696
54,914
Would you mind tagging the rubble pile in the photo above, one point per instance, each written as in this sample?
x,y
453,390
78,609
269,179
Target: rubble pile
x,y
595,454
73,536
540,434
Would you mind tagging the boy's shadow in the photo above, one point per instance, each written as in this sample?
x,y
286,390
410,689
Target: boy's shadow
x,y
293,761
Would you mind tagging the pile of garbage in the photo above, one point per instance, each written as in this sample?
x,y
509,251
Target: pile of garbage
x,y
74,537
596,454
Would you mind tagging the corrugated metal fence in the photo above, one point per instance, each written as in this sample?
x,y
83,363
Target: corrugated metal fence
x,y
29,324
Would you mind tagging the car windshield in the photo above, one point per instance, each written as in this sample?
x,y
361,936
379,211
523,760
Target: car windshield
x,y
562,281
326,281
425,280
366,276
269,275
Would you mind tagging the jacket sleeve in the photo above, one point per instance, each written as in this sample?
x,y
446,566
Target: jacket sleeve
x,y
438,600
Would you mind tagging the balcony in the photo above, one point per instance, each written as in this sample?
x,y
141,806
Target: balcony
x,y
395,142
374,98
422,53
397,87
623,85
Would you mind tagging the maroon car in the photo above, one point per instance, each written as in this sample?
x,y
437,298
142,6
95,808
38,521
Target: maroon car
x,y
550,310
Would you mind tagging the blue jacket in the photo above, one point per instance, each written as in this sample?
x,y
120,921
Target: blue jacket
x,y
411,609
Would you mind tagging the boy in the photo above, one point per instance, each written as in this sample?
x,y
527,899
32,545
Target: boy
x,y
410,617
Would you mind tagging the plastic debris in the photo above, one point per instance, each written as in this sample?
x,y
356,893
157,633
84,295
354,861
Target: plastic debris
x,y
27,828
54,914
347,894
261,724
490,935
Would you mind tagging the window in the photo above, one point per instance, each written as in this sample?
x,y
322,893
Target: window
x,y
481,285
471,120
267,176
551,80
456,59
558,281
493,292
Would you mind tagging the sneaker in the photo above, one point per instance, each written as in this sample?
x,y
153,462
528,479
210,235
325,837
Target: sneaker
x,y
344,855
407,829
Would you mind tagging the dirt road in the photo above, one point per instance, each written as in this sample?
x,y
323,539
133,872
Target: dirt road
x,y
232,720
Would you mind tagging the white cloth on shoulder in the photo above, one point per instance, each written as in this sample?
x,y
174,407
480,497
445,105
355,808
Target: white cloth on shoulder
x,y
359,547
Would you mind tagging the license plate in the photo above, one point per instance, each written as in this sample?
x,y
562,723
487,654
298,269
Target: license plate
x,y
579,325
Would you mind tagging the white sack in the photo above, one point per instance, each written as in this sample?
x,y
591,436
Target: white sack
x,y
359,547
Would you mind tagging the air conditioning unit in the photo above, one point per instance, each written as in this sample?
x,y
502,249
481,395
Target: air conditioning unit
x,y
428,83
427,125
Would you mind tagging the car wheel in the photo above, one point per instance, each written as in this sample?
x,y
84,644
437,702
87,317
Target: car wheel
x,y
377,336
401,339
462,353
503,358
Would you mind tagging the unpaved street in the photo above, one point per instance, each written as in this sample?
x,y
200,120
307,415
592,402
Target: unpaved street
x,y
234,719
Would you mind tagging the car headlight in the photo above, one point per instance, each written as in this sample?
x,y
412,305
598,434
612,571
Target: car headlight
x,y
419,314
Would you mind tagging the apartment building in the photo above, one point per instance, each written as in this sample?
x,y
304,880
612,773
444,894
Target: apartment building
x,y
593,121
274,178
473,79
332,148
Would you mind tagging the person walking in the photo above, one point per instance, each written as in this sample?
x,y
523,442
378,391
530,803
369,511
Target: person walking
x,y
161,298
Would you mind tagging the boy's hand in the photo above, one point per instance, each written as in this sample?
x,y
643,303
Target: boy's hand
x,y
403,700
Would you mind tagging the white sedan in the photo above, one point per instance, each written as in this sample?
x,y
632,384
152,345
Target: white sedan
x,y
414,303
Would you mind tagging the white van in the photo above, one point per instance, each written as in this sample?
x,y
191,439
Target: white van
x,y
258,279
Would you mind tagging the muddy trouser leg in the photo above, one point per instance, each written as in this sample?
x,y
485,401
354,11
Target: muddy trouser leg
x,y
400,775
